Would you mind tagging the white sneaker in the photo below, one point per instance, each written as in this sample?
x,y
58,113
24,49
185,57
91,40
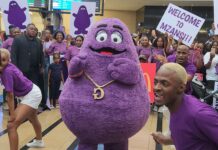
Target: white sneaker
x,y
36,143
51,106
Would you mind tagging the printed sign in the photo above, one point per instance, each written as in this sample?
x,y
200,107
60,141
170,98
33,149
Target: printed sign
x,y
180,23
15,13
82,16
149,71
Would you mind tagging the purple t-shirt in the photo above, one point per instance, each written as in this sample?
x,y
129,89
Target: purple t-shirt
x,y
14,81
46,46
194,126
8,43
190,69
57,47
195,56
156,51
171,50
71,52
145,51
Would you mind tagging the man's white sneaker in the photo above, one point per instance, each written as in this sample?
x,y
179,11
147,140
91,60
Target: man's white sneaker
x,y
36,143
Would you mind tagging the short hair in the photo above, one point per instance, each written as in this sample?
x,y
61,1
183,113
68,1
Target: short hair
x,y
31,24
56,54
11,26
17,28
80,37
14,28
178,70
60,33
6,52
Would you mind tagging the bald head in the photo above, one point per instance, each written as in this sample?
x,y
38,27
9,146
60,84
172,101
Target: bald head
x,y
177,70
182,54
183,47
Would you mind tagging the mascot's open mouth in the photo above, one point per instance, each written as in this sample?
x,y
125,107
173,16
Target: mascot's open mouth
x,y
107,51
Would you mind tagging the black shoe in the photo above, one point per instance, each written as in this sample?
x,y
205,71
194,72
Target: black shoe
x,y
43,108
46,108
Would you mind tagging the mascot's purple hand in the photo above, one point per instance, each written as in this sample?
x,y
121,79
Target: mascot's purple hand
x,y
124,70
77,65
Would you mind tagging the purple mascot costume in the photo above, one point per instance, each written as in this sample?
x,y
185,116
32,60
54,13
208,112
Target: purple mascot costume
x,y
105,99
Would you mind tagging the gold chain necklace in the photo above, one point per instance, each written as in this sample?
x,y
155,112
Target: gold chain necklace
x,y
98,88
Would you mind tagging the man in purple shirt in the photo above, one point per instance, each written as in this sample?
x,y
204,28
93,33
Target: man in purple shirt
x,y
193,124
181,57
16,84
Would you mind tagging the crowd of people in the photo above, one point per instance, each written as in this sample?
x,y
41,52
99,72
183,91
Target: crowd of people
x,y
32,71
199,59
44,63
44,59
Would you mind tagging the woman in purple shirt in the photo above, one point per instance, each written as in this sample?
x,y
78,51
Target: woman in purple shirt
x,y
74,50
8,43
145,48
158,52
79,41
16,84
59,46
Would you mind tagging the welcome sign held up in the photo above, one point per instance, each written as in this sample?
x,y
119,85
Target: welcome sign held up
x,y
180,23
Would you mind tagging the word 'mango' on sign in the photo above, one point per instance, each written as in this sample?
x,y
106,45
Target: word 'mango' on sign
x,y
184,16
175,32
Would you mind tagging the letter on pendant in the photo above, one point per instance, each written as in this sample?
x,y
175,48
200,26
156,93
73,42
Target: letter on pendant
x,y
100,95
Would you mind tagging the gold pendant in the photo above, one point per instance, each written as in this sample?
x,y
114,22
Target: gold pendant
x,y
100,95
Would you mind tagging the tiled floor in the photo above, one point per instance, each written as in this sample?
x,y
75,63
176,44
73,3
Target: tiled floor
x,y
60,138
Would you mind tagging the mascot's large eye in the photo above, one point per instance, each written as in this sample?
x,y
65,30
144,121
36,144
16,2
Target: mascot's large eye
x,y
101,36
117,38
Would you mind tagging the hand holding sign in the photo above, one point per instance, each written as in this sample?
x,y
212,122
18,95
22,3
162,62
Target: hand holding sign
x,y
181,25
170,39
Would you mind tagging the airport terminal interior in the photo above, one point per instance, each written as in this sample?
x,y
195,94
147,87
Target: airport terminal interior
x,y
60,50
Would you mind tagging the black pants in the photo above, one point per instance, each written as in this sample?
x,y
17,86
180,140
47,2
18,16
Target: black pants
x,y
54,91
210,85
